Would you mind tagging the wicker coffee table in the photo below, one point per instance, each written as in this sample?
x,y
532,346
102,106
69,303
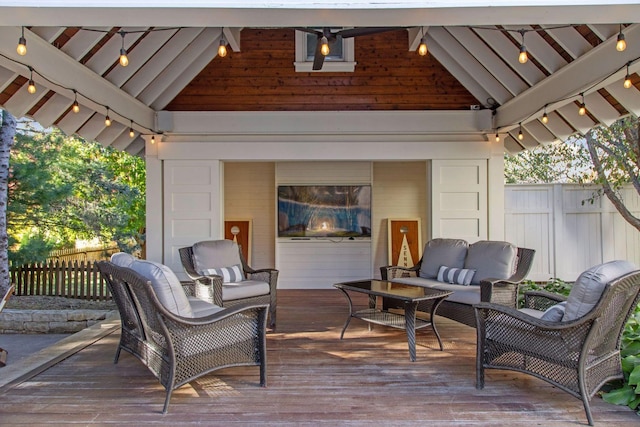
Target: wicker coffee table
x,y
410,295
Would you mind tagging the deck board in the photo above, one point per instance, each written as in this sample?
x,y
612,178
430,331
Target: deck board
x,y
314,379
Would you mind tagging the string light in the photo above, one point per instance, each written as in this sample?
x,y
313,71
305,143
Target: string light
x,y
497,137
523,57
153,139
583,108
124,61
107,120
627,79
621,44
22,45
545,116
75,107
422,49
520,134
324,46
131,132
32,87
222,49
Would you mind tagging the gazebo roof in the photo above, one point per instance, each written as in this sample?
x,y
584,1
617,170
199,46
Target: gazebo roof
x,y
73,53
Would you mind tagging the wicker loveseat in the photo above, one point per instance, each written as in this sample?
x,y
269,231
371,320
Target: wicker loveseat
x,y
177,336
488,271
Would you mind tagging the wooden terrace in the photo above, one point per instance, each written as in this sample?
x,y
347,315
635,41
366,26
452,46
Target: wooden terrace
x,y
314,379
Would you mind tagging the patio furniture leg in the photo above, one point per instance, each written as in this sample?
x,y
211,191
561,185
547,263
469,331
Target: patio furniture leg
x,y
3,357
350,312
410,327
115,360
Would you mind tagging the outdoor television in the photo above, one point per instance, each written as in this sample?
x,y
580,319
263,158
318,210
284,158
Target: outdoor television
x,y
324,211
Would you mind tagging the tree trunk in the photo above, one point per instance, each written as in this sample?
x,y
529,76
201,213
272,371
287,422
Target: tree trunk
x,y
7,134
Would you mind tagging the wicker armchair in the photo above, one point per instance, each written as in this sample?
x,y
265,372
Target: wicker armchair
x,y
578,356
500,291
179,349
212,288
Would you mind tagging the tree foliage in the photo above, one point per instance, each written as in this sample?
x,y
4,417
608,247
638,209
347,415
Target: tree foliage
x,y
7,132
64,188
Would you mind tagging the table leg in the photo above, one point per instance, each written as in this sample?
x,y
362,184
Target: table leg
x,y
350,312
372,305
433,322
410,327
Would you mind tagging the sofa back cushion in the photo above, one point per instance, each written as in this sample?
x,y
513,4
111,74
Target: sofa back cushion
x,y
586,291
215,254
491,259
123,259
166,286
439,252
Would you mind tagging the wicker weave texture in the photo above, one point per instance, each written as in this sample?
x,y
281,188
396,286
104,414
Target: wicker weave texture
x,y
178,350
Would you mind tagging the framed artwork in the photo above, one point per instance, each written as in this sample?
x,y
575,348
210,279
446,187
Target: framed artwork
x,y
239,230
405,241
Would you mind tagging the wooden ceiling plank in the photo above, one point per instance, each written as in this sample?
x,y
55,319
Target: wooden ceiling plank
x,y
539,49
542,134
71,122
569,39
559,127
528,142
581,123
92,127
489,60
232,36
604,31
136,148
161,59
50,112
82,43
138,57
7,76
601,108
629,98
511,145
464,67
509,52
123,141
109,53
184,68
108,134
22,101
49,34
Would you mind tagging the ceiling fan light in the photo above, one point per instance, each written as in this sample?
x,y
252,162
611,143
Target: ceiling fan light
x,y
324,46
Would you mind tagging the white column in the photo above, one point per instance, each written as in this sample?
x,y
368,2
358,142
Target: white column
x,y
154,232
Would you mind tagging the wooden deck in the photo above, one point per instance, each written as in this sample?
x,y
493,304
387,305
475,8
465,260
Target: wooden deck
x,y
314,379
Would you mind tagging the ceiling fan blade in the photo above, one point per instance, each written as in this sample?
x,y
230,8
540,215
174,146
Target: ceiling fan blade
x,y
354,32
318,58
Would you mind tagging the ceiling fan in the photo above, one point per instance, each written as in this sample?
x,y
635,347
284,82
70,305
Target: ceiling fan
x,y
325,36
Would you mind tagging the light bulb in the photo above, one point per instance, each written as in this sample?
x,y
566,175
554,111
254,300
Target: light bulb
x,y
545,118
32,87
324,48
76,107
153,139
497,137
131,133
422,49
523,57
124,61
627,82
520,135
621,44
222,49
107,121
582,110
22,46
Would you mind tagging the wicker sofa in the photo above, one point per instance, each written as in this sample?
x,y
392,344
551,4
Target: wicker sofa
x,y
485,271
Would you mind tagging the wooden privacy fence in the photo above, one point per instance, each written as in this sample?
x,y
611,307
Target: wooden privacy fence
x,y
72,279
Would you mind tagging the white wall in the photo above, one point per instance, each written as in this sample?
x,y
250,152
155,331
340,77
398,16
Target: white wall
x,y
569,233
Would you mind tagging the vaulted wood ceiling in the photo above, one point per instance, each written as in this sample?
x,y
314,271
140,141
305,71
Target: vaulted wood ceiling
x,y
472,60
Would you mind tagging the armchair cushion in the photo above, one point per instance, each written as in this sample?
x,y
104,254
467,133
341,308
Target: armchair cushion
x,y
232,274
555,312
166,286
586,291
215,254
438,252
244,289
460,276
491,259
123,259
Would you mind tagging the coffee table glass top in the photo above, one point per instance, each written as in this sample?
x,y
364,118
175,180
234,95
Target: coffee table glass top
x,y
385,288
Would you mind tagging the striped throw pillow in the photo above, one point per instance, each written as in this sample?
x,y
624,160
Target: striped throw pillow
x,y
231,274
459,276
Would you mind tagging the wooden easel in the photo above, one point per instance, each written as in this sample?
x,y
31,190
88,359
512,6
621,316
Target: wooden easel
x,y
3,302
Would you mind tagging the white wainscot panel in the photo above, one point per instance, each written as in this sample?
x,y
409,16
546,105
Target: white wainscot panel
x,y
190,227
459,175
188,175
191,202
319,264
459,201
460,228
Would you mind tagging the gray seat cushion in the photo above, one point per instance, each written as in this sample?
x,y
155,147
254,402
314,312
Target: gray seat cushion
x,y
244,289
202,308
439,252
123,259
215,254
462,294
491,259
166,286
586,291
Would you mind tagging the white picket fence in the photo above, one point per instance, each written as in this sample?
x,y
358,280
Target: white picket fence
x,y
569,233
